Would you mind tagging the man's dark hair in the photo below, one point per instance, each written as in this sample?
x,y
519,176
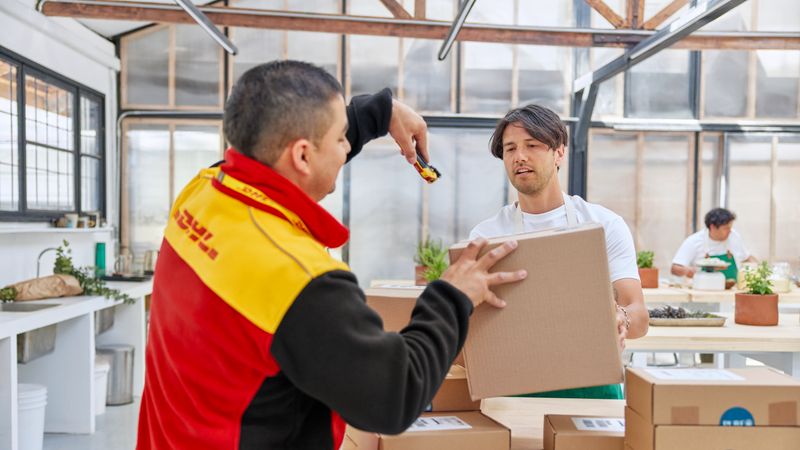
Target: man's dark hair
x,y
719,217
541,123
276,103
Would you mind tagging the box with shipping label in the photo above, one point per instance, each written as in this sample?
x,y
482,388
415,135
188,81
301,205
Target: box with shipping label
x,y
757,396
562,432
459,430
643,435
453,394
558,329
394,305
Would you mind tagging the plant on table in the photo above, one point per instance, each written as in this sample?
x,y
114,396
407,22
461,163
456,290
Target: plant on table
x,y
86,276
432,257
647,273
8,294
758,305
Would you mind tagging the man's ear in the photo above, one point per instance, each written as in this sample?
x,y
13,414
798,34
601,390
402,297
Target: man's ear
x,y
298,153
559,156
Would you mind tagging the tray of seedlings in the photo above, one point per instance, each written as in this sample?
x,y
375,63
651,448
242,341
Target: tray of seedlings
x,y
669,316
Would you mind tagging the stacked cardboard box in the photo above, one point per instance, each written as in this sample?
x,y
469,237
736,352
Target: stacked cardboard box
x,y
563,432
711,409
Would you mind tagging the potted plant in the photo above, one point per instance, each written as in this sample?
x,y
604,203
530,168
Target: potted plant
x,y
647,273
758,305
431,260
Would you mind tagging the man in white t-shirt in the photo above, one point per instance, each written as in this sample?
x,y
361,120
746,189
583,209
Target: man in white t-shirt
x,y
719,240
531,141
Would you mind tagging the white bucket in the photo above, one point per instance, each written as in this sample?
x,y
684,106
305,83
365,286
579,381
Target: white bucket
x,y
32,399
101,368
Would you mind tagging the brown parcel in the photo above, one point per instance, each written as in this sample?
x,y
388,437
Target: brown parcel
x,y
771,397
641,435
558,330
560,433
394,306
453,394
485,434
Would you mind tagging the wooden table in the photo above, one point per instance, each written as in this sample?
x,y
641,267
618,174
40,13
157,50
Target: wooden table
x,y
777,346
525,416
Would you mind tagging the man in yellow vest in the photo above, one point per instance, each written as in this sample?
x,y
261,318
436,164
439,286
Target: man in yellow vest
x,y
258,337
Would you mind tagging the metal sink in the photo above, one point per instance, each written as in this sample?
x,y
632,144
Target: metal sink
x,y
24,307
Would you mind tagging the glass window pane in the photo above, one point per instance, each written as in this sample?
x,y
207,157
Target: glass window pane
x,y
90,184
49,114
609,96
321,49
652,7
440,10
545,75
373,64
385,200
737,19
427,82
499,12
196,147
146,68
725,81
198,61
778,82
612,173
50,177
665,217
147,163
312,6
545,13
669,70
255,47
787,187
710,170
749,171
9,143
778,15
486,78
91,126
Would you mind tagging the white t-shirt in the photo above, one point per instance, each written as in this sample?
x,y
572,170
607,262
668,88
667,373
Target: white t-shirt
x,y
697,245
619,242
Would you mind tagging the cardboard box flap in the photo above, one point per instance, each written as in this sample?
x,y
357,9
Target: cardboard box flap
x,y
757,396
565,432
453,394
558,330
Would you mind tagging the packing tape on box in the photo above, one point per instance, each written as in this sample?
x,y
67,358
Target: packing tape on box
x,y
783,414
685,415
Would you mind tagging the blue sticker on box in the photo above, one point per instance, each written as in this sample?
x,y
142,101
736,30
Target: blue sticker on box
x,y
737,417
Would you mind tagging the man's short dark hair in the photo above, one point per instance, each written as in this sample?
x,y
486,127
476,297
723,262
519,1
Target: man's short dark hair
x,y
719,217
541,123
276,103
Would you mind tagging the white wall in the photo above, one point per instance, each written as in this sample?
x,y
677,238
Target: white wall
x,y
75,52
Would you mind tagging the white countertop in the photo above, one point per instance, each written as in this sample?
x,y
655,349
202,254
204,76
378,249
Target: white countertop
x,y
12,323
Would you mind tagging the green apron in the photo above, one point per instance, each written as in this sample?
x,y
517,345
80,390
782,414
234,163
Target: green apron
x,y
611,391
732,271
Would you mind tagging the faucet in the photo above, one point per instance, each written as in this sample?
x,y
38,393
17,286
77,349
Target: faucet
x,y
39,259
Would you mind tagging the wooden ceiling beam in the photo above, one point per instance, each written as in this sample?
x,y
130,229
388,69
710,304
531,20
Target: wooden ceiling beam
x,y
419,9
421,29
396,9
665,13
604,10
635,16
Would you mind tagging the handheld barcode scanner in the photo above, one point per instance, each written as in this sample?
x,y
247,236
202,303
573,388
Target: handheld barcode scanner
x,y
426,171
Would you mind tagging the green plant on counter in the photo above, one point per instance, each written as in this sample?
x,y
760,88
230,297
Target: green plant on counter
x,y
86,276
433,255
8,294
757,280
644,259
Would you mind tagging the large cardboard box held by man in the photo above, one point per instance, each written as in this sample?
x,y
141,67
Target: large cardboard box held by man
x,y
436,431
562,432
558,330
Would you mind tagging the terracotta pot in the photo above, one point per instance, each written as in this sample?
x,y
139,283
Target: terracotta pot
x,y
419,275
649,277
756,309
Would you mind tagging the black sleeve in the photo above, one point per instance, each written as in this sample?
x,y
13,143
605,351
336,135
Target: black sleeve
x,y
368,116
332,346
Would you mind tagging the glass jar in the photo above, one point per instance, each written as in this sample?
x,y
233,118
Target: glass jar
x,y
781,274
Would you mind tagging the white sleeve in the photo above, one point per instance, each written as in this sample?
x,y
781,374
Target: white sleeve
x,y
740,250
621,251
686,253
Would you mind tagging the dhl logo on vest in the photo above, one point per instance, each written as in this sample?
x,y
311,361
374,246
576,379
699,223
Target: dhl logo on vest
x,y
195,231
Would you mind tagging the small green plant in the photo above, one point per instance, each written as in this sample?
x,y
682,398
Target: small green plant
x,y
433,256
86,276
758,282
644,259
8,294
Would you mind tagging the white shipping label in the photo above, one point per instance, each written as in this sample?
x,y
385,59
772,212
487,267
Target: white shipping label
x,y
614,424
438,424
694,374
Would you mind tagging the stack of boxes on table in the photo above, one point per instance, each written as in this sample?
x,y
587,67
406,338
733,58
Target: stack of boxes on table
x,y
558,331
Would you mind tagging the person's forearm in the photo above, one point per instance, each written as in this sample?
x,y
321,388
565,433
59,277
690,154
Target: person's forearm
x,y
681,271
640,320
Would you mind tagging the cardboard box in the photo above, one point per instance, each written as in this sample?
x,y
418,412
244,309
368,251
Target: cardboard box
x,y
583,432
558,330
759,396
642,435
453,395
394,306
483,434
